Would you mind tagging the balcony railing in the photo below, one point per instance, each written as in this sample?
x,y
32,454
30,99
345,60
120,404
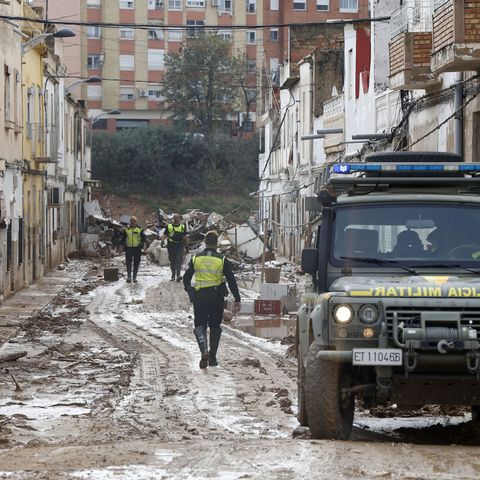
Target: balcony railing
x,y
412,16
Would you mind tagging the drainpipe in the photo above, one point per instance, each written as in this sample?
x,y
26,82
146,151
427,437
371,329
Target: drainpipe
x,y
458,118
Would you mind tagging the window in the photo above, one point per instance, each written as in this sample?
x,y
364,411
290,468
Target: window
x,y
225,34
127,33
93,3
156,59
127,62
175,35
323,5
174,4
274,34
251,37
155,34
93,31
154,93
155,4
274,66
251,65
225,6
250,94
94,61
194,32
127,94
273,4
247,126
251,6
349,5
94,92
129,4
300,5
124,124
196,3
7,94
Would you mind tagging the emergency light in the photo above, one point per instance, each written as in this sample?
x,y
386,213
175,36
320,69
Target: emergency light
x,y
348,168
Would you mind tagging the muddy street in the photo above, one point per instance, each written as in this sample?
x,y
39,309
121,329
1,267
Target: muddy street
x,y
110,388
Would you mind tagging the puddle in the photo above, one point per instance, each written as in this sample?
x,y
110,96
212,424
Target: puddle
x,y
43,408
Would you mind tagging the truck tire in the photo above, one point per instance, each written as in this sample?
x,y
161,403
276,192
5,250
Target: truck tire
x,y
475,414
302,409
329,415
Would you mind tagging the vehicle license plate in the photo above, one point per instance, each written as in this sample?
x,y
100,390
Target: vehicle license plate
x,y
377,356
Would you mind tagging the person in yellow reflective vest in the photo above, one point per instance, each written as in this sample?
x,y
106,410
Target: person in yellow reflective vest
x,y
134,239
176,236
210,269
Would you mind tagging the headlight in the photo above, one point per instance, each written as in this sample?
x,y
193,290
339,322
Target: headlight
x,y
343,314
368,314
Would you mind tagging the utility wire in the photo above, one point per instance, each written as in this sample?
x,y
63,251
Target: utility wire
x,y
441,124
190,27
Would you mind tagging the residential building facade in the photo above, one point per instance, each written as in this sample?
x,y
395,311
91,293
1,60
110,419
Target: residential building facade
x,y
412,86
11,128
131,61
44,159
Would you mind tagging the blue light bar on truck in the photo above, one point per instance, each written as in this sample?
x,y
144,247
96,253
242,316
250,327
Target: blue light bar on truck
x,y
347,168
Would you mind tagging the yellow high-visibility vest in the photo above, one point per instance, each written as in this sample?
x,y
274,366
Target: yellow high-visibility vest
x,y
134,238
172,230
208,271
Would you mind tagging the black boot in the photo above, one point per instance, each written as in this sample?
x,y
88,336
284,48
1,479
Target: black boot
x,y
201,336
215,334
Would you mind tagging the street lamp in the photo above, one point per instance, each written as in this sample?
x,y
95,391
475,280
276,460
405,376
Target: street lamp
x,y
114,111
62,33
93,79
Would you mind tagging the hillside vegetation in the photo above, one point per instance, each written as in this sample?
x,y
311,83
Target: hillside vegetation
x,y
170,169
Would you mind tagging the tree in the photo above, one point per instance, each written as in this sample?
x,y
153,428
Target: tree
x,y
199,82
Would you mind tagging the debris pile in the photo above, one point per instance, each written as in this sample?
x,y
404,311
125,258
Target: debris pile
x,y
241,243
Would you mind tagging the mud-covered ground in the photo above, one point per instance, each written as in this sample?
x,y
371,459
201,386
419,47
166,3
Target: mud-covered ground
x,y
111,389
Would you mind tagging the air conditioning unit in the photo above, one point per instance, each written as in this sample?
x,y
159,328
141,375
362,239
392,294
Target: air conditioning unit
x,y
143,93
215,3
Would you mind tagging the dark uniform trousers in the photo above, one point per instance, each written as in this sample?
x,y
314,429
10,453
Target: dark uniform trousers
x,y
208,306
175,256
133,255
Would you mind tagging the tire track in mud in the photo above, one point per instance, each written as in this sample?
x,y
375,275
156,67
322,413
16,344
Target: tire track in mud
x,y
188,401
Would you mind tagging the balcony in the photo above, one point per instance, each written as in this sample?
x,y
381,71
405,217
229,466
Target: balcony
x,y
334,117
410,46
456,36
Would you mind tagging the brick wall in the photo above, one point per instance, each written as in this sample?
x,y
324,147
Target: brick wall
x,y
305,40
443,26
397,54
422,48
472,22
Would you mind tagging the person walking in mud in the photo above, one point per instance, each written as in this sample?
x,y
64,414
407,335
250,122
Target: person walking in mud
x,y
177,244
134,239
210,268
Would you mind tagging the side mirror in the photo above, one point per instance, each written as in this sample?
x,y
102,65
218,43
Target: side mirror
x,y
310,260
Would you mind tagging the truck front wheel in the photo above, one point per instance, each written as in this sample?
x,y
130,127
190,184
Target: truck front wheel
x,y
330,414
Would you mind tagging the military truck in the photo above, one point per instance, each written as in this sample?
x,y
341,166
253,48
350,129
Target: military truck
x,y
394,315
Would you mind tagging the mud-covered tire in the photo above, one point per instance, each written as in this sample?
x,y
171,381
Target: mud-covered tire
x,y
302,409
475,414
329,416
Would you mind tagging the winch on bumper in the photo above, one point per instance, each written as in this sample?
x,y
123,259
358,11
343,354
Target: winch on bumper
x,y
416,334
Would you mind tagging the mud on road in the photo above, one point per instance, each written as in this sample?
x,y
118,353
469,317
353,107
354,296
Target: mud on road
x,y
111,388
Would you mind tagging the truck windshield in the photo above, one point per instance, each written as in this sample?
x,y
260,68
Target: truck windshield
x,y
407,234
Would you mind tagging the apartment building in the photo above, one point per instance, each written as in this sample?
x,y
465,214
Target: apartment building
x,y
131,61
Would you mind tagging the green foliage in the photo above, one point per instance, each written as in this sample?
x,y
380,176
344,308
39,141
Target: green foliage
x,y
165,162
203,83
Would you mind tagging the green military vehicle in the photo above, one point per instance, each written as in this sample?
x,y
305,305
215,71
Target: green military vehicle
x,y
395,315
